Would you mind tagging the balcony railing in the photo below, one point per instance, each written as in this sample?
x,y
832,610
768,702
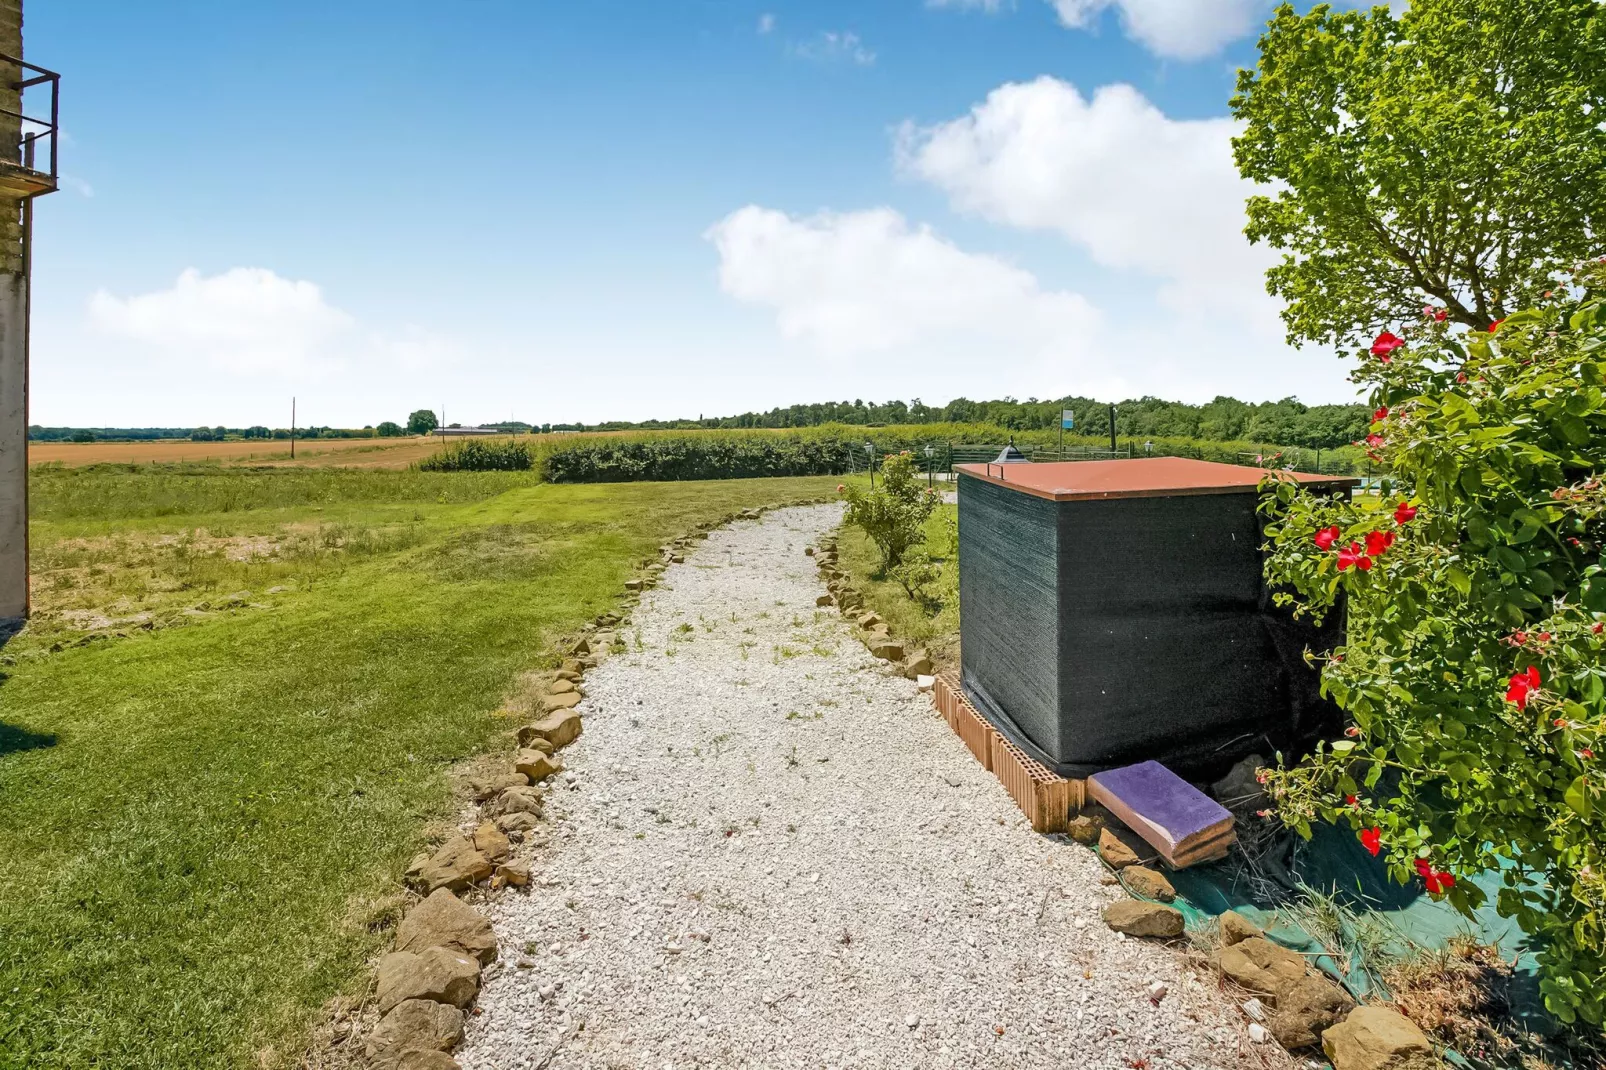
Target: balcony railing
x,y
20,174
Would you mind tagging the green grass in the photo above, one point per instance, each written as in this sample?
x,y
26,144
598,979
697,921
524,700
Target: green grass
x,y
203,822
937,631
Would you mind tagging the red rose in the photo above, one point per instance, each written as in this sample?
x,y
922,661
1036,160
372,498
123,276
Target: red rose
x,y
1354,555
1521,686
1353,731
1384,346
1495,326
1380,415
1372,840
1586,753
1375,441
1404,514
1596,628
1441,315
1352,800
1378,541
1544,637
1326,537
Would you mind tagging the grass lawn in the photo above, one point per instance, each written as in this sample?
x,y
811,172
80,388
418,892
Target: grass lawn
x,y
234,717
934,625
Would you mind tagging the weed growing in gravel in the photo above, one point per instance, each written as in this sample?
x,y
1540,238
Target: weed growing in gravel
x,y
793,715
820,650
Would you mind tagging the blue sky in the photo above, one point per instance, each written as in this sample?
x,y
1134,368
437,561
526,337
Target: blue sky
x,y
582,211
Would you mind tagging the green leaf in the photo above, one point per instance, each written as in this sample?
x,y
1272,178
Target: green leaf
x,y
1577,797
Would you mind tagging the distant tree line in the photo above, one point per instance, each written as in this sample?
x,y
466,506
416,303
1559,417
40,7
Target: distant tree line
x,y
1286,423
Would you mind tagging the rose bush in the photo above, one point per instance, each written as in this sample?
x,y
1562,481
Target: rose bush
x,y
1475,592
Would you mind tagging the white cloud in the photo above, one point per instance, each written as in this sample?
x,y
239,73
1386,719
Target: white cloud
x,y
766,23
1178,29
856,283
1136,190
252,321
832,47
905,307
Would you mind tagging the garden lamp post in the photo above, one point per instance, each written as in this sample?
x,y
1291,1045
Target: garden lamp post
x,y
930,478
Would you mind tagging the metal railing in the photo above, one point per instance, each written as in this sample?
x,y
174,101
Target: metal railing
x,y
33,128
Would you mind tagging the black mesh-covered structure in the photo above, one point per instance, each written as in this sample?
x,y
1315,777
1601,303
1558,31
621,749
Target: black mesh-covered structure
x,y
1115,611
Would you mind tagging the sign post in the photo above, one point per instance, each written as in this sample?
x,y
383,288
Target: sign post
x,y
1067,423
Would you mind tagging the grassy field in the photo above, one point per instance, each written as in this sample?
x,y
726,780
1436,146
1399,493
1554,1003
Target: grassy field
x,y
933,624
235,716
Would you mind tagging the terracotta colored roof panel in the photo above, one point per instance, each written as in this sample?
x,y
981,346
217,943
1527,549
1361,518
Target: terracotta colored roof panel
x,y
1144,477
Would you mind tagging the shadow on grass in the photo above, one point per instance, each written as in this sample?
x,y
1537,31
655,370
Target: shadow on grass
x,y
13,738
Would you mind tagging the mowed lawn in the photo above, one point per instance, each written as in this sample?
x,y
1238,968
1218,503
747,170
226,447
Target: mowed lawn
x,y
204,814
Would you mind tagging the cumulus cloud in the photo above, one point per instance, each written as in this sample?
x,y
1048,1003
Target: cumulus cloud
x,y
1135,189
899,302
864,282
252,320
766,23
1178,29
830,46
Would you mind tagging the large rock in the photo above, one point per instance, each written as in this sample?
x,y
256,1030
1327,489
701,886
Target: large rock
x,y
1311,1006
824,600
526,800
436,973
414,1025
1137,918
1262,967
443,920
455,865
519,821
1084,829
490,787
561,687
1148,883
561,702
559,728
490,842
918,664
1236,928
1375,1038
536,765
1115,852
886,649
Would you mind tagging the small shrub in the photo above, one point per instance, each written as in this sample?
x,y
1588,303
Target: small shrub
x,y
479,456
894,514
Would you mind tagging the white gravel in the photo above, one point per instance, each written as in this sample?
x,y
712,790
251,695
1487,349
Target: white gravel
x,y
773,853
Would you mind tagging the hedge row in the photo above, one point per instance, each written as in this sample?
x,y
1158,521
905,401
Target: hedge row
x,y
481,456
835,450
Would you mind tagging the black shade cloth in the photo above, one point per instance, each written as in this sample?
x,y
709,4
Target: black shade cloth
x,y
1096,633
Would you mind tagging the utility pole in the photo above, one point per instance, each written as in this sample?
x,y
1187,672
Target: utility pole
x,y
1112,427
292,428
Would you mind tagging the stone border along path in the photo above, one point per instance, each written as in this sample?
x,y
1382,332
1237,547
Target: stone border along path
x,y
767,850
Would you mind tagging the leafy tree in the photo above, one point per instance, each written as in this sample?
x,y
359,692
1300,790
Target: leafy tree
x,y
1453,154
894,515
1475,662
388,429
422,422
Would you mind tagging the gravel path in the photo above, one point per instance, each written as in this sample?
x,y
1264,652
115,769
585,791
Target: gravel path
x,y
771,852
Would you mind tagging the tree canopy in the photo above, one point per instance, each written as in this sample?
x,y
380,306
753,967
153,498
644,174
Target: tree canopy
x,y
421,422
1452,156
